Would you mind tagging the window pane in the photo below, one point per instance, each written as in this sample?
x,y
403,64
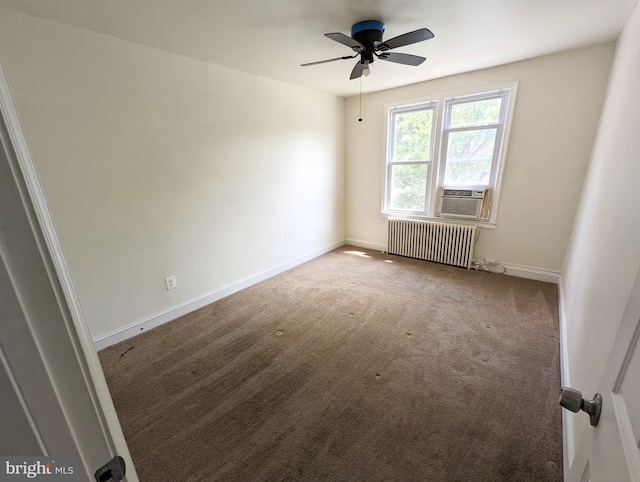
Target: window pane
x,y
408,187
469,156
478,113
413,136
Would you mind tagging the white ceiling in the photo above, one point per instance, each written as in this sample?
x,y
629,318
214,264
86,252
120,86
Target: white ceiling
x,y
273,37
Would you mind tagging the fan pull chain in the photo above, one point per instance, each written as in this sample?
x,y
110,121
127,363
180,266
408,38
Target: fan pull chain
x,y
360,119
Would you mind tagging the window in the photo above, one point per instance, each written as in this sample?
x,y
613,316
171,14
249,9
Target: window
x,y
468,150
410,158
471,140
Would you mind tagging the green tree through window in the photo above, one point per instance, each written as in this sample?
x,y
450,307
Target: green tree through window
x,y
471,142
413,136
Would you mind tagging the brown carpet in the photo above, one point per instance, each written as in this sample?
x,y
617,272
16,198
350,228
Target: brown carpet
x,y
355,366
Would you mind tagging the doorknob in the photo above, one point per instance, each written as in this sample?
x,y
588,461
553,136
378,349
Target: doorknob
x,y
572,400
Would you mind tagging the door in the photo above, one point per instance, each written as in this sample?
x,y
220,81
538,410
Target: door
x,y
610,451
49,368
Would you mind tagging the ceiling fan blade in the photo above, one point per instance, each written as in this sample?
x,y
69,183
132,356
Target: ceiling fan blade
x,y
345,40
406,59
328,60
357,71
406,39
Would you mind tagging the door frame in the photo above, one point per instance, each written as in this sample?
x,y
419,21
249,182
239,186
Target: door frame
x,y
63,425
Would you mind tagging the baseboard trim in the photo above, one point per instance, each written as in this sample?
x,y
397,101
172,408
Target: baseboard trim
x,y
177,311
365,244
519,271
568,442
529,272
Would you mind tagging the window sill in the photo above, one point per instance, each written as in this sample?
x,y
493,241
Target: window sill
x,y
470,222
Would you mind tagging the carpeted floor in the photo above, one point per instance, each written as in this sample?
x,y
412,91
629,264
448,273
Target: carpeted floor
x,y
356,366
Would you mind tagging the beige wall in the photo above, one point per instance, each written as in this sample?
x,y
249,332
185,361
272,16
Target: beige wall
x,y
604,253
557,108
155,164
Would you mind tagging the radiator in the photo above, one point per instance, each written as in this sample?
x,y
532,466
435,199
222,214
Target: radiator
x,y
432,241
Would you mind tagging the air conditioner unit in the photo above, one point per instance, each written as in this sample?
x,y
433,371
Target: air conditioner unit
x,y
463,203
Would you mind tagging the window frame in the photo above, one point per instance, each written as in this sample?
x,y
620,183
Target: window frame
x,y
436,172
390,163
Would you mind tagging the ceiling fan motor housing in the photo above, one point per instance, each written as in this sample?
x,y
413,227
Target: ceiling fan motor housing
x,y
367,32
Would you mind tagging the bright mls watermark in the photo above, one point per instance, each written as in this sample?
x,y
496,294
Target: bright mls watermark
x,y
56,469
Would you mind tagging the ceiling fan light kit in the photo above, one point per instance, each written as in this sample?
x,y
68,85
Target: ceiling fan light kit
x,y
366,41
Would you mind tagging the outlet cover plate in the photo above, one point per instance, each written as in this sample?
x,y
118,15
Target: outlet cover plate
x,y
171,282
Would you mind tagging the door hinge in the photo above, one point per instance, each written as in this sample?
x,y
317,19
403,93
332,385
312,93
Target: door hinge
x,y
112,471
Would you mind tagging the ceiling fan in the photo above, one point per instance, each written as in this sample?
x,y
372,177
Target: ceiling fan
x,y
366,42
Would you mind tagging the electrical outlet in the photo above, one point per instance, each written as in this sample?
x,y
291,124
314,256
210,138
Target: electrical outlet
x,y
171,282
490,262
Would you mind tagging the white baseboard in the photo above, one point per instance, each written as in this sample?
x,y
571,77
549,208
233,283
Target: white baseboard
x,y
365,244
568,442
519,271
529,272
174,312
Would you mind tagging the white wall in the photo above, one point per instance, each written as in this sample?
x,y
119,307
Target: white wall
x,y
155,164
556,115
603,257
